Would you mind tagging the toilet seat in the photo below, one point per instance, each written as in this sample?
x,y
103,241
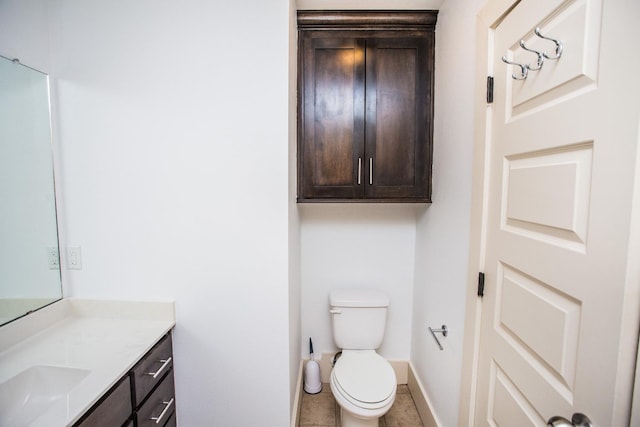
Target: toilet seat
x,y
365,379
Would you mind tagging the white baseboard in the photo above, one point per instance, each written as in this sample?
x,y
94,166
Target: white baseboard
x,y
400,367
420,398
297,401
325,366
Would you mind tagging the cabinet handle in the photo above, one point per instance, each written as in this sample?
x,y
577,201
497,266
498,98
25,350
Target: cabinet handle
x,y
165,363
370,171
359,169
167,405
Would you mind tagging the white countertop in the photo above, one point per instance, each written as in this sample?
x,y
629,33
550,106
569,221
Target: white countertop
x,y
105,337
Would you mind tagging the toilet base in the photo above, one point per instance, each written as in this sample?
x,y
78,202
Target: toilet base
x,y
347,419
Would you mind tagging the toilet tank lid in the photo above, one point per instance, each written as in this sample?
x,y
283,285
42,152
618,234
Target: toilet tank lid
x,y
358,298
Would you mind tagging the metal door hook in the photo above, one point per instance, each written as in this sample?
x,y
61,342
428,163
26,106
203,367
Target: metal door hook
x,y
540,55
443,330
557,42
524,69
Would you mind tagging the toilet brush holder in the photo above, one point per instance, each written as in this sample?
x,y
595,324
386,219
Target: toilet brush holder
x,y
312,383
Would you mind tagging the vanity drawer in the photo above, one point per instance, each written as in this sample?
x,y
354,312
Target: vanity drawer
x,y
112,410
150,370
172,421
159,408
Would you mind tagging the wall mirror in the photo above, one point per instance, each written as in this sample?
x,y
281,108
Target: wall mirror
x,y
29,262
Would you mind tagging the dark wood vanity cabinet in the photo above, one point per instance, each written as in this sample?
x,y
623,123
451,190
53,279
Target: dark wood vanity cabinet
x,y
153,387
113,409
144,397
365,106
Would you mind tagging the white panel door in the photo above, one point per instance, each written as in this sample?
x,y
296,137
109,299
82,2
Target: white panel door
x,y
561,159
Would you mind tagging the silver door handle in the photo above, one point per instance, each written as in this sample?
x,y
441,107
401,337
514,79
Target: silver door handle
x,y
577,420
359,169
370,171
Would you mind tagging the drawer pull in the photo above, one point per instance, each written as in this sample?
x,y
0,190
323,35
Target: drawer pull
x,y
165,363
370,170
164,411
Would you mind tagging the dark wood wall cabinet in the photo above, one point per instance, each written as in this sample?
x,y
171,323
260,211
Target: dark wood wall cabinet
x,y
144,397
365,106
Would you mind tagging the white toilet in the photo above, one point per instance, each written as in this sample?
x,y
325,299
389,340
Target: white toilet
x,y
363,382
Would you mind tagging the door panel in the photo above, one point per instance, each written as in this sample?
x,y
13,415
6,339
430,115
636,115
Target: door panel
x,y
562,161
508,406
397,134
538,319
395,110
334,117
546,195
333,127
577,24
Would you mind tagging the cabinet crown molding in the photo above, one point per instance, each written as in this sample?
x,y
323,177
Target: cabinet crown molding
x,y
367,19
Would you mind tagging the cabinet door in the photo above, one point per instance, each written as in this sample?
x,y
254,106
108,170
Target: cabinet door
x,y
112,410
399,77
331,142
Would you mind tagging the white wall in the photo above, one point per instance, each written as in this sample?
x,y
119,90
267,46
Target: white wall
x,y
175,183
24,32
295,273
395,243
361,246
442,237
173,134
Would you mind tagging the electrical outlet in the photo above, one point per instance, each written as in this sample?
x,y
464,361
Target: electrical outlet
x,y
74,258
53,258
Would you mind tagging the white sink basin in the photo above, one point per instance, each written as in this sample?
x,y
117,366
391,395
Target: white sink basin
x,y
26,396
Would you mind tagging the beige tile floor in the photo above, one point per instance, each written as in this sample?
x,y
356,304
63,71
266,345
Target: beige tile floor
x,y
321,410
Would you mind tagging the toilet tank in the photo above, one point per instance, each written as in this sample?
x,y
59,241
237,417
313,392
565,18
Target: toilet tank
x,y
358,318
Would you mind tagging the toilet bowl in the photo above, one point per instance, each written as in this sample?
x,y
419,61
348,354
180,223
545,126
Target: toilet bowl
x,y
364,385
362,382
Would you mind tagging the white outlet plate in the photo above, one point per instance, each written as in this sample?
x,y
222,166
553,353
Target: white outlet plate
x,y
53,258
74,258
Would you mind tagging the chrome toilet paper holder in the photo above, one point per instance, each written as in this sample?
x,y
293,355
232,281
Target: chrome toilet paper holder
x,y
443,330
